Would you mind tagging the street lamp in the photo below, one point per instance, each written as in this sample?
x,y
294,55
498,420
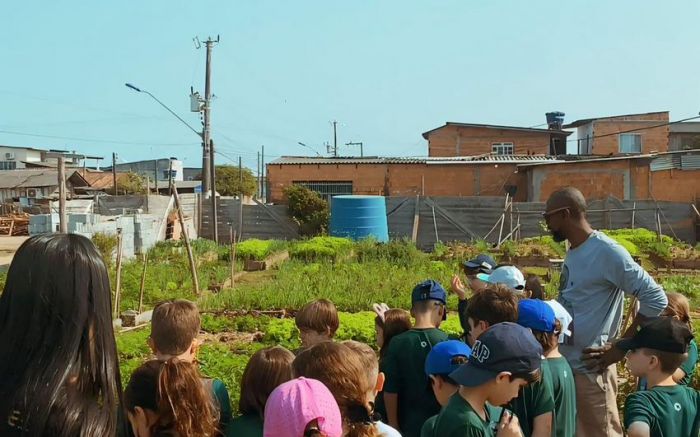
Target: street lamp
x,y
308,147
140,90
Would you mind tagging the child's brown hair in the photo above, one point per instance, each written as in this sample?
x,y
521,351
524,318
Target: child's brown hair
x,y
395,322
494,304
320,316
266,369
678,308
534,286
669,362
174,325
342,371
173,390
548,340
367,357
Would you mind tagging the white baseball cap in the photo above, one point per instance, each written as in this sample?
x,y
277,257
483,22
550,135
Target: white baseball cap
x,y
510,276
563,316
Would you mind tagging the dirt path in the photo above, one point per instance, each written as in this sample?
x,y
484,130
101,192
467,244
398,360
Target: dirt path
x,y
8,247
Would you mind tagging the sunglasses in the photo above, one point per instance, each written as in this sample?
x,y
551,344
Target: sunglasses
x,y
548,214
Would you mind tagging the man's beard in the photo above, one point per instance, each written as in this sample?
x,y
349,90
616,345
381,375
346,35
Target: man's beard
x,y
557,236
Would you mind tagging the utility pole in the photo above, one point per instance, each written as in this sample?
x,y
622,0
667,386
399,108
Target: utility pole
x,y
263,191
155,175
258,179
63,222
335,139
114,173
212,181
207,155
240,196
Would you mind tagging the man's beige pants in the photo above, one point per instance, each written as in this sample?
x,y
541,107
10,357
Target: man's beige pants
x,y
596,404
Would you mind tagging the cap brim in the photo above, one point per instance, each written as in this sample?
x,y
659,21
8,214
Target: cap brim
x,y
472,376
483,277
626,344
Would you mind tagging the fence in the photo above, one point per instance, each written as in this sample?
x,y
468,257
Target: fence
x,y
430,219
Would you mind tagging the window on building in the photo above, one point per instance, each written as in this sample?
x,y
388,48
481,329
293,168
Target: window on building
x,y
327,189
502,148
630,143
8,165
168,173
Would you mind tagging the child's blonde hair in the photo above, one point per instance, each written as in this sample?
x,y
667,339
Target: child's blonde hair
x,y
679,308
320,316
367,357
340,369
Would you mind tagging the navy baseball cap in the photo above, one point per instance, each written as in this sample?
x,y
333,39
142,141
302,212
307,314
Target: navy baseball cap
x,y
483,262
661,333
536,314
504,347
439,360
428,290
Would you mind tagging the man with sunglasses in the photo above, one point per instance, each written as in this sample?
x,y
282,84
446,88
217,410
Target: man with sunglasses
x,y
596,274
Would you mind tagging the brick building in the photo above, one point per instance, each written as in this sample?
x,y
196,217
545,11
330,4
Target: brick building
x,y
628,134
468,139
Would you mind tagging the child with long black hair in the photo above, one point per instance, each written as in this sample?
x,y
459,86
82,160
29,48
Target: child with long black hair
x,y
59,373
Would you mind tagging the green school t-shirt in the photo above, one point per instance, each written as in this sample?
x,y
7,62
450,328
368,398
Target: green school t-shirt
x,y
458,419
404,368
688,367
248,425
564,390
534,400
669,411
218,391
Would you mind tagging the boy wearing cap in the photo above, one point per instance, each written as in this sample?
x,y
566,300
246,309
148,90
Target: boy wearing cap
x,y
442,360
408,398
481,264
542,320
508,275
665,408
505,358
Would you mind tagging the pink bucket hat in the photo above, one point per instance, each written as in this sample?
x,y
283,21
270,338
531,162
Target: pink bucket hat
x,y
294,404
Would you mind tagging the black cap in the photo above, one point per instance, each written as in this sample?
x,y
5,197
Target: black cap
x,y
483,262
661,333
504,347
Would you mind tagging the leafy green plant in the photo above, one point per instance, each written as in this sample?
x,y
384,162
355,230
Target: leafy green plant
x,y
318,248
257,249
308,209
106,244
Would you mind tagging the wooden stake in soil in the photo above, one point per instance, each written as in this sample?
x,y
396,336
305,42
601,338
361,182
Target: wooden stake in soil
x,y
190,256
118,280
143,281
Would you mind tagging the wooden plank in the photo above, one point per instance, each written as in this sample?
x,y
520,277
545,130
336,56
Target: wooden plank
x,y
446,215
416,220
277,218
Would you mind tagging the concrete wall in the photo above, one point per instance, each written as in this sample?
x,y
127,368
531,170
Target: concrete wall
x,y
20,155
466,141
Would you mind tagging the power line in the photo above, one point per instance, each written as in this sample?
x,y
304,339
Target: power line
x,y
92,140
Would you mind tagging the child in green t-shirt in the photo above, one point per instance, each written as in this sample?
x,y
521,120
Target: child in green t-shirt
x,y
408,398
535,404
665,409
442,360
175,325
504,358
542,320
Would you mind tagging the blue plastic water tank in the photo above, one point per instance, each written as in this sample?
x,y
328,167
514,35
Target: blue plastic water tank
x,y
359,217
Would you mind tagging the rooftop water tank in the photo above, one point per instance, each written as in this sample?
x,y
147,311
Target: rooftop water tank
x,y
359,217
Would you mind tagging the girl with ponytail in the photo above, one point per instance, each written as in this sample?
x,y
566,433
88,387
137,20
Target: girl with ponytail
x,y
341,369
167,398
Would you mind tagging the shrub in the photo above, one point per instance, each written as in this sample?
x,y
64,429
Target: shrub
x,y
106,244
309,210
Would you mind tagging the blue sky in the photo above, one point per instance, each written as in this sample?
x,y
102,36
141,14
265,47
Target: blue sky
x,y
386,70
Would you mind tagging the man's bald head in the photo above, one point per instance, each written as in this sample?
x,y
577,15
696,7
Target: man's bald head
x,y
568,197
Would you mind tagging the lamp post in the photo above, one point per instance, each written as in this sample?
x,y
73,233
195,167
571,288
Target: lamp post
x,y
308,147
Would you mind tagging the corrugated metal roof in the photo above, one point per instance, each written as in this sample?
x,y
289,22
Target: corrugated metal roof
x,y
690,162
573,159
687,127
430,160
28,178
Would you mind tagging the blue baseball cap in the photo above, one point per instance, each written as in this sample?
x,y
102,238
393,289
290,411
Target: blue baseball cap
x,y
504,347
483,262
439,360
429,290
536,314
